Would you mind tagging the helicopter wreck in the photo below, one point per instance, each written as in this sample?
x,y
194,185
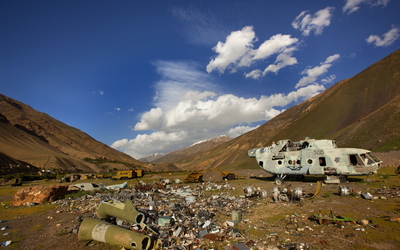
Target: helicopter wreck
x,y
314,157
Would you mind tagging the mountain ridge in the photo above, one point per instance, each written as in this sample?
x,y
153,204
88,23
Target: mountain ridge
x,y
44,142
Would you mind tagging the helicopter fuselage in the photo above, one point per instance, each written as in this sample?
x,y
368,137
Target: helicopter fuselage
x,y
314,157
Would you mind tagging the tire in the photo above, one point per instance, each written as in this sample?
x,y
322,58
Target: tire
x,y
279,181
230,177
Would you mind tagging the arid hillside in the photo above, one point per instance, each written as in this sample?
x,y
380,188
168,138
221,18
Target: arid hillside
x,y
38,140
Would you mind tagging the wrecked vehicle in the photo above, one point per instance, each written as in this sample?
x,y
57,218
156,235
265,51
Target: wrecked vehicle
x,y
87,186
314,157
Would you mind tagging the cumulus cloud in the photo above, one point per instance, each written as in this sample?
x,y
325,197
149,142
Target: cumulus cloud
x,y
313,74
307,23
235,52
386,39
239,130
238,51
353,5
191,109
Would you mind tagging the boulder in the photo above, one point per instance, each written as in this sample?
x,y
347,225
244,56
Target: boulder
x,y
38,195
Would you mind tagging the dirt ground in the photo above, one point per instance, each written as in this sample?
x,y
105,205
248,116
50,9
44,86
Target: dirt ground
x,y
266,225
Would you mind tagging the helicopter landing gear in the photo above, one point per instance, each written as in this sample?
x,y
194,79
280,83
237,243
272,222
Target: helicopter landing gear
x,y
279,181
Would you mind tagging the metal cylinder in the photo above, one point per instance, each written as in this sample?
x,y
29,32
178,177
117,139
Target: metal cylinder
x,y
298,193
344,191
249,191
236,216
125,211
263,194
98,230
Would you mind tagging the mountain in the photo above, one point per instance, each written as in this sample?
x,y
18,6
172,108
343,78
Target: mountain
x,y
195,148
152,157
38,140
360,112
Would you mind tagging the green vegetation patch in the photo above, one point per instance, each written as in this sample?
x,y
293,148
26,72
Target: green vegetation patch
x,y
389,145
9,212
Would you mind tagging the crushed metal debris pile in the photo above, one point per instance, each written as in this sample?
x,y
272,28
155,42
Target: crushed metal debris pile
x,y
380,193
180,216
161,216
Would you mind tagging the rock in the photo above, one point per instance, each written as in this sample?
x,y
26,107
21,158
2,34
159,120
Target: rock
x,y
38,194
363,222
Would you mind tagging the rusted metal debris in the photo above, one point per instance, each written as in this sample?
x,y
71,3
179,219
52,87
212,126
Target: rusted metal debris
x,y
163,216
331,218
373,194
277,194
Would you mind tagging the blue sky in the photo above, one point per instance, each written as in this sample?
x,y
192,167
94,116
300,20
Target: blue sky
x,y
154,76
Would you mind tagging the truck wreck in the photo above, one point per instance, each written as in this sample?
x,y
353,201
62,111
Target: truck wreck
x,y
314,157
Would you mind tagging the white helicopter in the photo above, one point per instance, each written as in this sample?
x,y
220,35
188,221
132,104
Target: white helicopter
x,y
314,157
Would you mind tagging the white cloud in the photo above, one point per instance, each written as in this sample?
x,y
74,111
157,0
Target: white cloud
x,y
238,52
198,112
117,109
307,23
282,60
353,5
312,74
386,39
239,130
234,52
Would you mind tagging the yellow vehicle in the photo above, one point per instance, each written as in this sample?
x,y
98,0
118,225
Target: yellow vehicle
x,y
194,177
127,174
228,175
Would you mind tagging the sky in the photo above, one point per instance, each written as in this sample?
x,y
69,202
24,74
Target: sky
x,y
150,77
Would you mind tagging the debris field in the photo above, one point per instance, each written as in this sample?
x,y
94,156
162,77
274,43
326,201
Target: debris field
x,y
209,215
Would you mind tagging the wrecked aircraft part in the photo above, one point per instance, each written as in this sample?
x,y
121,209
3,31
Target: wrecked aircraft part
x,y
188,219
367,196
263,194
314,157
344,191
249,191
319,187
120,210
93,229
236,216
298,193
330,218
283,197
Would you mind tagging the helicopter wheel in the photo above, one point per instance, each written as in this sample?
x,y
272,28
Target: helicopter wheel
x,y
279,181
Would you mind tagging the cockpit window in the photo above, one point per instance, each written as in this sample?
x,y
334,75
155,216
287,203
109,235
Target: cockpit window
x,y
355,160
373,157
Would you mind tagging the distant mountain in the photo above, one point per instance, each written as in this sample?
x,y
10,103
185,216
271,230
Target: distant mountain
x,y
152,157
38,140
360,112
195,148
